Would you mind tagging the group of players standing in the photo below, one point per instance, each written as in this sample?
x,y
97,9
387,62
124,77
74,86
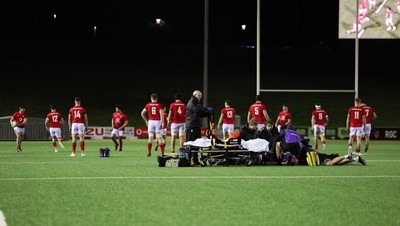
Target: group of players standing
x,y
157,121
358,123
77,123
319,119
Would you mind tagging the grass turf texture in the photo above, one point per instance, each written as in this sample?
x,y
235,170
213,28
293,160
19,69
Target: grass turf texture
x,y
40,187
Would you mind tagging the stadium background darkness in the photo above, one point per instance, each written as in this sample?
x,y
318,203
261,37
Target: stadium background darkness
x,y
48,60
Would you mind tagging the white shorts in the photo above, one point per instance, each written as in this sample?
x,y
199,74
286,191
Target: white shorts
x,y
153,126
178,127
367,130
279,128
389,22
78,128
355,27
260,126
55,132
357,131
228,128
118,133
19,130
163,132
319,129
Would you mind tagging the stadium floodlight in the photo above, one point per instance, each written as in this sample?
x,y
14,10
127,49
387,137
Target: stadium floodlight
x,y
160,22
94,32
55,16
244,27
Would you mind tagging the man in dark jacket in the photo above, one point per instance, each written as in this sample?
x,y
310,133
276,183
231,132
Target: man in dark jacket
x,y
269,133
194,113
249,132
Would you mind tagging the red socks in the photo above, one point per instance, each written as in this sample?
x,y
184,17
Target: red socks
x,y
82,146
73,147
162,146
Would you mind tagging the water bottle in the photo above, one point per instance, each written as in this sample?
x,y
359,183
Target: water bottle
x,y
182,152
107,152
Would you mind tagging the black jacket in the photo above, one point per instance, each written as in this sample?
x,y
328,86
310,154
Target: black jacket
x,y
270,136
194,113
247,134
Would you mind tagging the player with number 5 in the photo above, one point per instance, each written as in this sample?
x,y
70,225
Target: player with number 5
x,y
258,110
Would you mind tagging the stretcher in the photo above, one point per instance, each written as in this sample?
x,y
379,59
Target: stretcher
x,y
213,152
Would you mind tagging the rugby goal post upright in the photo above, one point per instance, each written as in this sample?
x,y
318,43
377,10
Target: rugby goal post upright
x,y
258,83
356,56
258,48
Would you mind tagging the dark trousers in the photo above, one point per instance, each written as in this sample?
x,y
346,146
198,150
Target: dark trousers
x,y
192,134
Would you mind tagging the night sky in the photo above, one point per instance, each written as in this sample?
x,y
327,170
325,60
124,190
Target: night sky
x,y
289,24
134,21
284,24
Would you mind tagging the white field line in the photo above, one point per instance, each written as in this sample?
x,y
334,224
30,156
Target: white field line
x,y
198,177
384,160
360,33
17,163
2,219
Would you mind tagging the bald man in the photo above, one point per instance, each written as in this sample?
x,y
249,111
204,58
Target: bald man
x,y
194,113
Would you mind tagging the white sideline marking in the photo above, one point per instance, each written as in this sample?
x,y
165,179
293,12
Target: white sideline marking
x,y
383,160
2,219
381,154
16,163
380,7
194,177
360,33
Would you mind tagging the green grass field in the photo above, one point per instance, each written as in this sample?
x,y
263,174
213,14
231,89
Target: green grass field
x,y
40,187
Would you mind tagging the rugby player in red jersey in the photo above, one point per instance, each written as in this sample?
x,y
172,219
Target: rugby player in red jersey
x,y
78,123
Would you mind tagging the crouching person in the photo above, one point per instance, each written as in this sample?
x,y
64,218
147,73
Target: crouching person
x,y
250,132
269,133
288,141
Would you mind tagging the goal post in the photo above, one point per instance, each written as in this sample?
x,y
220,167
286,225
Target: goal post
x,y
308,90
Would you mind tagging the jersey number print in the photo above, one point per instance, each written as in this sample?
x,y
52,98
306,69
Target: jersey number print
x,y
77,114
